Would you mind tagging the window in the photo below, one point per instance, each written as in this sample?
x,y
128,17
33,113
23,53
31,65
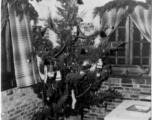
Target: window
x,y
136,52
7,65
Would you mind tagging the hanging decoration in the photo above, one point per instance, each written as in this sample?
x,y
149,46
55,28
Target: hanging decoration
x,y
73,99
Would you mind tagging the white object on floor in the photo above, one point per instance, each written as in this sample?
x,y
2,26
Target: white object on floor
x,y
121,112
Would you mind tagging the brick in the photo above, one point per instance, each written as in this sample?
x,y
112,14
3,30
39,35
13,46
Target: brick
x,y
9,92
117,84
120,88
112,84
23,106
127,98
145,90
126,80
145,100
148,81
134,96
127,91
22,113
31,113
19,111
145,93
28,107
103,87
136,86
127,88
11,115
24,117
39,103
34,108
136,92
16,118
3,94
115,80
139,81
108,110
18,103
25,112
18,108
10,111
126,95
145,86
124,85
100,118
92,114
11,98
135,89
23,94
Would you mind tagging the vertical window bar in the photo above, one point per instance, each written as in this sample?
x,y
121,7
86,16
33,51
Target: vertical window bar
x,y
141,48
117,41
127,41
131,41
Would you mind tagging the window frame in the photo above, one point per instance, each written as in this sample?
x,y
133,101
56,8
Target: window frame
x,y
129,70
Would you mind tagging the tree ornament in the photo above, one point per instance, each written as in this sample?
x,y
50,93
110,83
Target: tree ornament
x,y
98,75
48,98
82,73
40,67
80,2
93,68
73,99
58,76
97,41
50,72
85,63
74,30
99,63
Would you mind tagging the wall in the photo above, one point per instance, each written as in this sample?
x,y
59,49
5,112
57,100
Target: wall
x,y
19,104
131,88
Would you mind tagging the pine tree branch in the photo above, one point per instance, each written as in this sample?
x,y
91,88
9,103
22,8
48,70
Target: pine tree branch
x,y
56,55
84,92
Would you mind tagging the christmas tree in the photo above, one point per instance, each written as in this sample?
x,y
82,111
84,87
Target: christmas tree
x,y
73,70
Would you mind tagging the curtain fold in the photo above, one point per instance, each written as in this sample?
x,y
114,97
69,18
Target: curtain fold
x,y
26,72
142,19
111,18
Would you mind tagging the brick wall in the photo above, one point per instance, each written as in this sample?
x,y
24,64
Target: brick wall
x,y
19,104
131,89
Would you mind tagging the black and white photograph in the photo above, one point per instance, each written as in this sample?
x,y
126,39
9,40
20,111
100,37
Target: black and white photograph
x,y
76,59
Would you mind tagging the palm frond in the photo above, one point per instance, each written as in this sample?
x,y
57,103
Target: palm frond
x,y
96,11
131,4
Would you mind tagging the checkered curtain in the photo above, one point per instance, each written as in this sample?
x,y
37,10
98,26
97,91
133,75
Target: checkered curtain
x,y
142,19
111,18
24,63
